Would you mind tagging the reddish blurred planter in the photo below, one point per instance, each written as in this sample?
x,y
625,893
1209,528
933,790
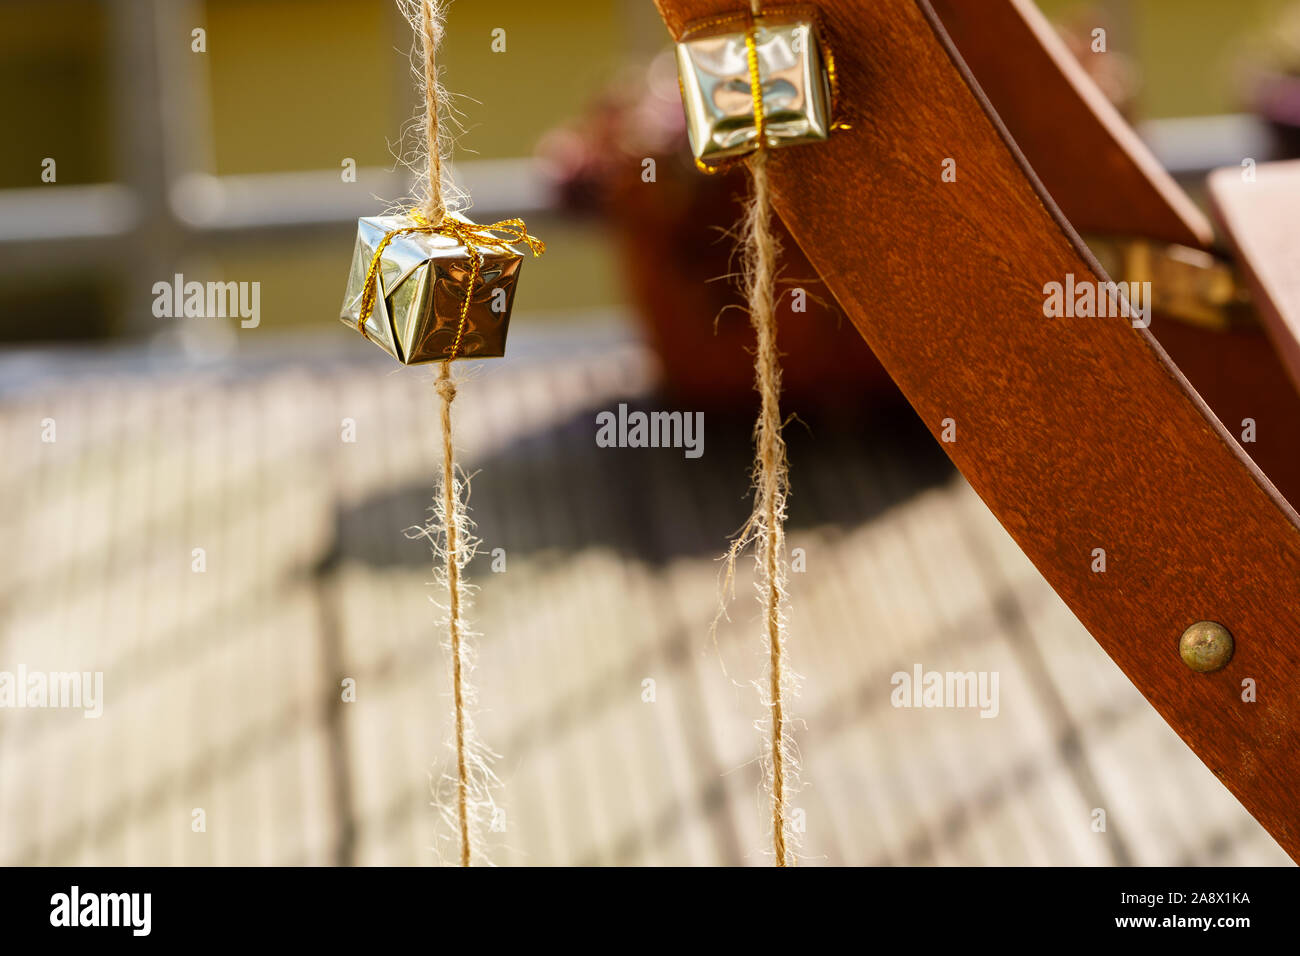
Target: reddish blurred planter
x,y
1277,99
680,260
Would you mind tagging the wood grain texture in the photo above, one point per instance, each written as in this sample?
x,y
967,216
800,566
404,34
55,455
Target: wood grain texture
x,y
1100,174
1240,376
1259,220
1078,433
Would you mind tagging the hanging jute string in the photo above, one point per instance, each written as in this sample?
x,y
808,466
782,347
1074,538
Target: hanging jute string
x,y
430,33
450,530
453,514
765,529
457,546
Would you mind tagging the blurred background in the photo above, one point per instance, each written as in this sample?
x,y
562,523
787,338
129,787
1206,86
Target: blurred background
x,y
294,457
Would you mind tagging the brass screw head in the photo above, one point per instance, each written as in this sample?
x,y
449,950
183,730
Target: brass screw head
x,y
1205,646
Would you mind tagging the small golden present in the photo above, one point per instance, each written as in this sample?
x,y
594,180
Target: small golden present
x,y
423,274
718,64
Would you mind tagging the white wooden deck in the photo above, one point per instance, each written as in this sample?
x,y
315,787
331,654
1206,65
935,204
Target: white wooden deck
x,y
222,687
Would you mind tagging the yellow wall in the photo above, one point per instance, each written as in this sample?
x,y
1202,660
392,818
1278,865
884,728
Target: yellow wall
x,y
300,84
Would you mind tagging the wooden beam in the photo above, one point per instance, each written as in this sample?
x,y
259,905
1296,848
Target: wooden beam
x,y
1101,175
1259,218
1079,433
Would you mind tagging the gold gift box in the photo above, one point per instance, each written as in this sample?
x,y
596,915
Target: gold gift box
x,y
422,282
713,67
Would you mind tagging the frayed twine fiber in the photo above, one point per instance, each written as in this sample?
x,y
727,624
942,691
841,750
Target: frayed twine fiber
x,y
431,25
453,515
451,531
765,529
428,153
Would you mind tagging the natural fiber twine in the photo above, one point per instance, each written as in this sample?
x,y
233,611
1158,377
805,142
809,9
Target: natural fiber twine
x,y
451,529
765,529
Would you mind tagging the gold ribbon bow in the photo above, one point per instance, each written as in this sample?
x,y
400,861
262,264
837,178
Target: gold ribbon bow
x,y
467,234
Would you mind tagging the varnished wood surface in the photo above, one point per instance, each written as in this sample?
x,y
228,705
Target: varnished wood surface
x,y
1261,219
1101,175
1241,378
1078,433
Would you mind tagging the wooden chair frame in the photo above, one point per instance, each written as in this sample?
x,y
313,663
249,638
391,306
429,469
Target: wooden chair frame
x,y
1078,433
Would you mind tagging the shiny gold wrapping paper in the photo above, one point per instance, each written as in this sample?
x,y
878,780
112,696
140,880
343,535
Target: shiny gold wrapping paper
x,y
422,280
713,68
